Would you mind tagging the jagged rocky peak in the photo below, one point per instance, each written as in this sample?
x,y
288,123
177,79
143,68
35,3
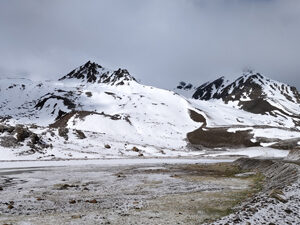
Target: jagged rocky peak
x,y
211,90
250,85
184,86
89,72
185,89
118,77
253,92
92,72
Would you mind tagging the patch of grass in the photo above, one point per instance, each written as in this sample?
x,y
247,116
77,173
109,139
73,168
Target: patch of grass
x,y
222,203
239,197
212,211
258,181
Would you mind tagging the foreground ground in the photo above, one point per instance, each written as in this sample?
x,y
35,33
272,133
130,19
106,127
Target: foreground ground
x,y
150,191
155,193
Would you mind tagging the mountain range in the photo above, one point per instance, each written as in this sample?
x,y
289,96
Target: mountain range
x,y
95,112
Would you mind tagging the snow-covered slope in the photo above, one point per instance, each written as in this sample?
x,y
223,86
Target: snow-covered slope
x,y
109,105
95,112
250,111
133,113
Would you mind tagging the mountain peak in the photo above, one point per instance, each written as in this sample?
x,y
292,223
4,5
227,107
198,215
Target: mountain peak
x,y
253,92
88,72
92,72
211,90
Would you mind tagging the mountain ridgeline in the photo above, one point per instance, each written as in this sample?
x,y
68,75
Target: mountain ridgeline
x,y
254,93
102,105
92,72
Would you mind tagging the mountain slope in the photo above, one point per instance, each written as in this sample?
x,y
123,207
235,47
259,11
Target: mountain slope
x,y
250,111
254,93
105,105
94,112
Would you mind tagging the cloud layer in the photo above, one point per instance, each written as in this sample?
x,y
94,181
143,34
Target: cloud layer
x,y
160,42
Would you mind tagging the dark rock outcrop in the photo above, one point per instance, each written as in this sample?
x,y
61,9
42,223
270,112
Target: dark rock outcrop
x,y
21,133
63,132
253,93
92,72
80,134
8,142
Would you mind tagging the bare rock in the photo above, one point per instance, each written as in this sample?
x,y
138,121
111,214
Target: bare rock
x,y
63,132
34,138
94,201
22,133
80,134
8,142
135,149
33,126
294,154
89,94
277,194
6,128
3,128
289,144
76,216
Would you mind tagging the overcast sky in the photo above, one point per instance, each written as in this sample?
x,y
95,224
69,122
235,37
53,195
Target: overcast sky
x,y
160,42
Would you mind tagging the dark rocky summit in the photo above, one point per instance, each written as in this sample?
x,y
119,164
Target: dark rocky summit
x,y
92,72
254,93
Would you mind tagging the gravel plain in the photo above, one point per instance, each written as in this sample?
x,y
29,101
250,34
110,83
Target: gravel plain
x,y
153,193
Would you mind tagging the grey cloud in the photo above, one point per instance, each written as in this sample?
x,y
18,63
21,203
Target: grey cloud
x,y
160,42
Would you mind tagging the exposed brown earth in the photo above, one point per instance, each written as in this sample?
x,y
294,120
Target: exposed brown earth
x,y
217,137
63,121
220,137
197,117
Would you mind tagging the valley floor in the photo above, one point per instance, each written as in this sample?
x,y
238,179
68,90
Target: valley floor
x,y
146,191
154,191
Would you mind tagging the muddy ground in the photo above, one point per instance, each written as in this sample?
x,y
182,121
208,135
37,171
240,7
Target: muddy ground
x,y
132,194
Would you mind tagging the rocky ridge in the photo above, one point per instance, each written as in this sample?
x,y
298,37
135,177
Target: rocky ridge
x,y
254,93
92,72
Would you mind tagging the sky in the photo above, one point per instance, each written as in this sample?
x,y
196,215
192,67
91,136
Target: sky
x,y
160,42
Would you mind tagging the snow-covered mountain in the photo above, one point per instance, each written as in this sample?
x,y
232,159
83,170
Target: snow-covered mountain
x,y
251,110
92,72
254,93
95,112
107,106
